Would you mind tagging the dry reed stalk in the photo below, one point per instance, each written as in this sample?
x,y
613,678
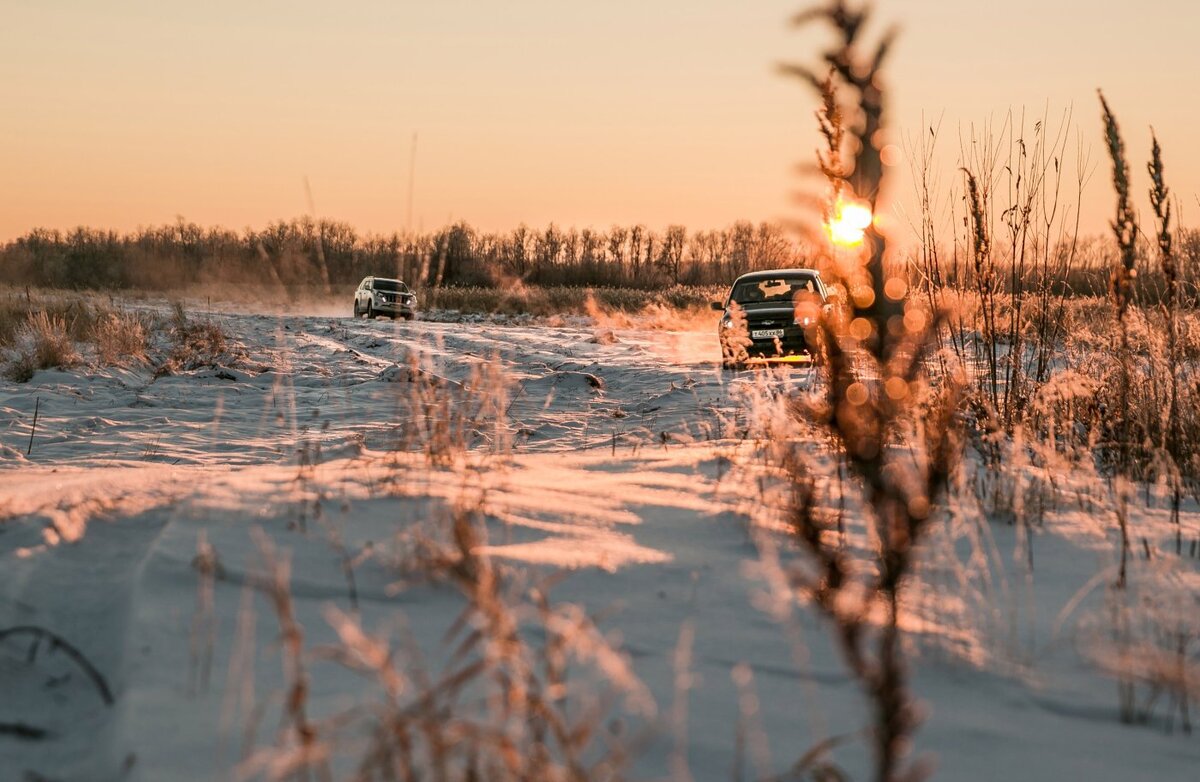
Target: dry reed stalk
x,y
203,632
864,416
935,281
1121,289
1018,269
1160,203
301,749
984,267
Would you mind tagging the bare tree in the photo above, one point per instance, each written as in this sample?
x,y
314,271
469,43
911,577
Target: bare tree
x,y
672,251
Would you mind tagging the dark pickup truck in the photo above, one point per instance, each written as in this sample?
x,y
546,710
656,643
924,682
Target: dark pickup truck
x,y
766,314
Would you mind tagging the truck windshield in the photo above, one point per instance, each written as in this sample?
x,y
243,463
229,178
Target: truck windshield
x,y
395,286
778,290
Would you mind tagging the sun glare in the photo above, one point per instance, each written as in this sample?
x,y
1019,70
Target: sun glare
x,y
849,222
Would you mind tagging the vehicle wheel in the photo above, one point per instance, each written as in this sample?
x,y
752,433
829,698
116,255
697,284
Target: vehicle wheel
x,y
409,316
370,311
356,312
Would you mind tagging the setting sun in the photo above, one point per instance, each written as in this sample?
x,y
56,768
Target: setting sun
x,y
849,222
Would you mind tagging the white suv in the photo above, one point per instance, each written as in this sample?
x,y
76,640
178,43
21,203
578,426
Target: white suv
x,y
382,296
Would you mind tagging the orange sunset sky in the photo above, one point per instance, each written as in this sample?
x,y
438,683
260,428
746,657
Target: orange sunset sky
x,y
120,114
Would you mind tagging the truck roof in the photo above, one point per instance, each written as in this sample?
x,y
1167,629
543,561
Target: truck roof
x,y
778,273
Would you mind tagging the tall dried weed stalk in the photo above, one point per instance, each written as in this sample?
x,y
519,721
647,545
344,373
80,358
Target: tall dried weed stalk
x,y
1169,444
898,437
1124,227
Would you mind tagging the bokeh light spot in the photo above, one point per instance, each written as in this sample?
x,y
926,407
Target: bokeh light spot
x,y
896,388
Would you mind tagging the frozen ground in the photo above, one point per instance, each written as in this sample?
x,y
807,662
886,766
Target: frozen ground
x,y
623,462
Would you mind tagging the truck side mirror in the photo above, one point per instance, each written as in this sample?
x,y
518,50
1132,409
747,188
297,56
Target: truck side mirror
x,y
717,306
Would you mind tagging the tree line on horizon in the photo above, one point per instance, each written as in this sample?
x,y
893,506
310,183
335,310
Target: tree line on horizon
x,y
305,251
332,254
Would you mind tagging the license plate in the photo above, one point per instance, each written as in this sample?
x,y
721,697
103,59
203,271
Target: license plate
x,y
766,333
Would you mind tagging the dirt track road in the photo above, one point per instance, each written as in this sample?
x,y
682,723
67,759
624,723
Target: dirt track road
x,y
333,380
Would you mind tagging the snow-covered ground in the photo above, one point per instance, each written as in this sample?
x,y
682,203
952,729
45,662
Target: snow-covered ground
x,y
131,532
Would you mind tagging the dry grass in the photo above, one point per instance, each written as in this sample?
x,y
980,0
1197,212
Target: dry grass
x,y
522,689
76,312
43,329
197,343
519,299
52,344
42,343
121,338
445,420
1100,388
